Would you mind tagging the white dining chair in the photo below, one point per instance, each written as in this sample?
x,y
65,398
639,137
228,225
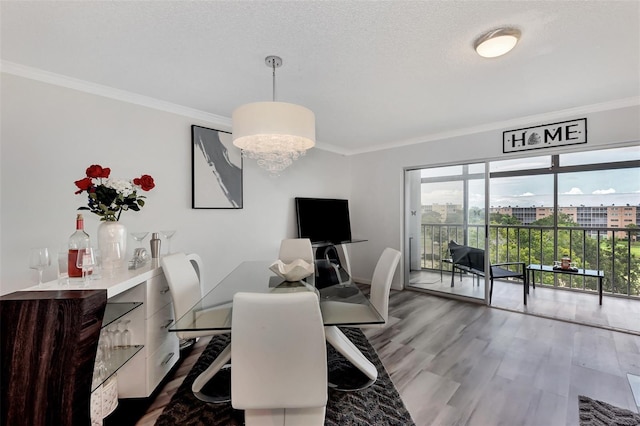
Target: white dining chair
x,y
379,297
279,373
296,248
183,273
381,284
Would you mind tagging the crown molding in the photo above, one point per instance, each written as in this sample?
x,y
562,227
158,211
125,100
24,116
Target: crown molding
x,y
502,125
225,122
112,93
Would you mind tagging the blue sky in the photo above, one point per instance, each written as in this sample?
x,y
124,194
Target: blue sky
x,y
619,187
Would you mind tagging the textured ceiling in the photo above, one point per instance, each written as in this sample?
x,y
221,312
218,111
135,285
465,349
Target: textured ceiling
x,y
376,73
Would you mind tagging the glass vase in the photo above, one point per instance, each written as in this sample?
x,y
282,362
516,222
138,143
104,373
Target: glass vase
x,y
109,233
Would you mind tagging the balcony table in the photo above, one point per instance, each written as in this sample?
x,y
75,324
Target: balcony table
x,y
548,268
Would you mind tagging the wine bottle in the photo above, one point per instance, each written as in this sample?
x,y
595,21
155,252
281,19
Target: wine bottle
x,y
77,241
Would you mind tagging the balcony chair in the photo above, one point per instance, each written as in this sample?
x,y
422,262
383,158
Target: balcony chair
x,y
279,373
183,276
379,297
471,260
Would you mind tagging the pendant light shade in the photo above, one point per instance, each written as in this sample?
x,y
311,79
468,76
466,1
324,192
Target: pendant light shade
x,y
273,133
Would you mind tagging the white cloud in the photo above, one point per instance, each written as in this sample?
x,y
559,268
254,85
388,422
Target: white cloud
x,y
526,194
604,191
573,191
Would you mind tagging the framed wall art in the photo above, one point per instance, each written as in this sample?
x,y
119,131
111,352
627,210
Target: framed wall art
x,y
216,170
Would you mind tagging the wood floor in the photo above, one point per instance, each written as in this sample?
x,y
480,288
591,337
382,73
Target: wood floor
x,y
459,363
616,313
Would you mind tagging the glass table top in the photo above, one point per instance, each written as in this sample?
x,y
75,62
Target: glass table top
x,y
341,303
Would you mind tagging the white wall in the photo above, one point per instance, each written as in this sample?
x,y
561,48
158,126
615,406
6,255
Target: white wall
x,y
377,177
51,134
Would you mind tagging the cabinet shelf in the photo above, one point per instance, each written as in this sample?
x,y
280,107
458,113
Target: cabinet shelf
x,y
115,311
119,357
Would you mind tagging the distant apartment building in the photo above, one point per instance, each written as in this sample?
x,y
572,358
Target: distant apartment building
x,y
443,209
621,217
584,216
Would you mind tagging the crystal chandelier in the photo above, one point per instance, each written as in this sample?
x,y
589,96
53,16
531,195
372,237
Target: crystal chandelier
x,y
273,133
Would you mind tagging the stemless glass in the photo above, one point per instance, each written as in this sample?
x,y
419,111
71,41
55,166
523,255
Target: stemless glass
x,y
167,235
111,257
85,261
38,260
63,265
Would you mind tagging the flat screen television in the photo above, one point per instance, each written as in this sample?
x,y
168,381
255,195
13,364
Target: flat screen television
x,y
323,220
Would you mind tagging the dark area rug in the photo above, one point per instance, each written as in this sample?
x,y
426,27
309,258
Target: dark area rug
x,y
598,413
379,404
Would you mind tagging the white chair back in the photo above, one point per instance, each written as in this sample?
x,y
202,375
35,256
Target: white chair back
x,y
279,358
381,281
296,248
183,281
183,274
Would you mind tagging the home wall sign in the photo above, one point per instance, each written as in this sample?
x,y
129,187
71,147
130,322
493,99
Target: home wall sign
x,y
545,136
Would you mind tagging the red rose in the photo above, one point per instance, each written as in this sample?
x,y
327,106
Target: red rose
x,y
96,171
83,184
145,182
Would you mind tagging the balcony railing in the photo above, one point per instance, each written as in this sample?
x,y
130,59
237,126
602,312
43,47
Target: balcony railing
x,y
613,250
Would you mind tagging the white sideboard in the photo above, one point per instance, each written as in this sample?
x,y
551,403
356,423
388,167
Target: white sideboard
x,y
149,324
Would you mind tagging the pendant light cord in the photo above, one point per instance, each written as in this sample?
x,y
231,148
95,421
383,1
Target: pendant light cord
x,y
274,81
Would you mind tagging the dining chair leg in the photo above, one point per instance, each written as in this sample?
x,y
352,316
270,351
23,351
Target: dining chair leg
x,y
208,374
346,348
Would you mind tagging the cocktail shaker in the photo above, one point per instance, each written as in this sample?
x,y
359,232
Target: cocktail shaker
x,y
155,245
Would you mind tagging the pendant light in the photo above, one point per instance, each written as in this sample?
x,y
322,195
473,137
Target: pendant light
x,y
273,133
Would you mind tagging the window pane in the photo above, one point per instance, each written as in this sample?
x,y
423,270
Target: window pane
x,y
442,202
521,164
442,171
617,187
600,156
476,168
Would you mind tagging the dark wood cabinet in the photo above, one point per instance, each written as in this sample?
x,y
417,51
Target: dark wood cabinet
x,y
48,347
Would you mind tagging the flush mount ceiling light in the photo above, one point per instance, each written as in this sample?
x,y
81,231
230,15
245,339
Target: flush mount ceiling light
x,y
497,42
273,133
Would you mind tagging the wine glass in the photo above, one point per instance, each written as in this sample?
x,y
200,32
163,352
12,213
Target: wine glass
x,y
38,260
105,343
126,334
112,331
85,261
111,256
139,237
117,335
168,235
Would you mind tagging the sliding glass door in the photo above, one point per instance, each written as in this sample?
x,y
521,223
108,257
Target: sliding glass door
x,y
444,204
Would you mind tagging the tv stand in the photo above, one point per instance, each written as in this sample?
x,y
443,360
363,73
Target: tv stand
x,y
329,251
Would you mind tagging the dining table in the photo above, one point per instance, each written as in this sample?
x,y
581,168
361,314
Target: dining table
x,y
342,303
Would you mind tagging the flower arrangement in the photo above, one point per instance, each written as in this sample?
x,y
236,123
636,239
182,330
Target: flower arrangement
x,y
108,197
